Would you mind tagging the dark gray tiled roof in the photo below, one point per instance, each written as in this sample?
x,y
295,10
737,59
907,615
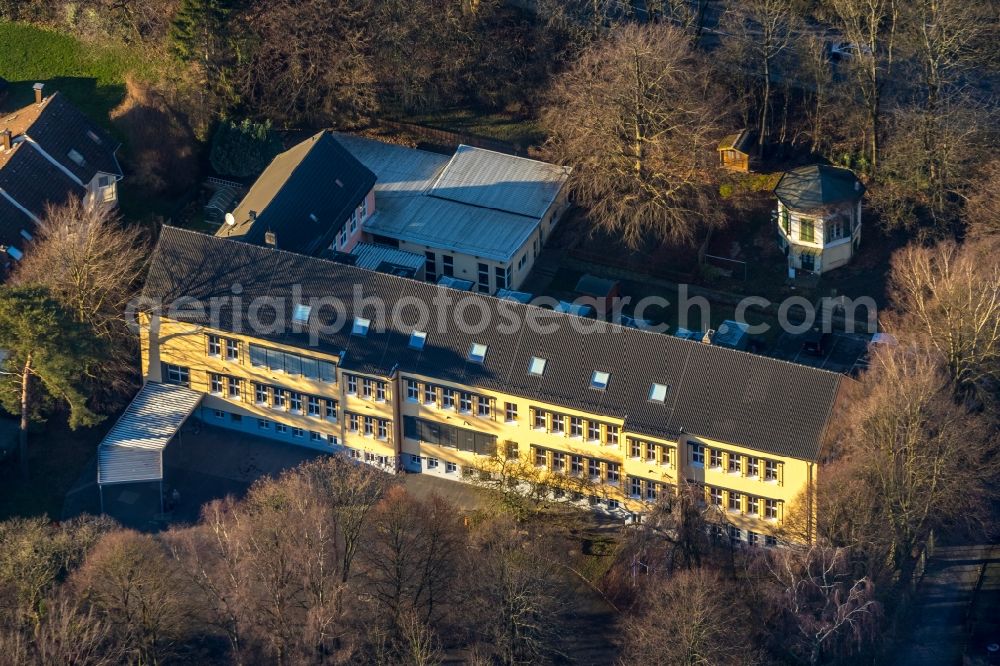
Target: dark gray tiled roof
x,y
304,196
61,127
33,181
817,186
754,401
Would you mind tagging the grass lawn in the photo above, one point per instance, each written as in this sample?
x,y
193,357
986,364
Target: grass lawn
x,y
57,457
91,75
519,131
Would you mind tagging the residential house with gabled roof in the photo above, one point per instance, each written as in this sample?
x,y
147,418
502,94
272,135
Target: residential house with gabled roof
x,y
312,196
49,152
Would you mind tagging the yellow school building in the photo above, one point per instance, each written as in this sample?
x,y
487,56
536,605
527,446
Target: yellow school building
x,y
341,359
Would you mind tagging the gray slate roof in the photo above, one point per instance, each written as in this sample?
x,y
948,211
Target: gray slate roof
x,y
315,178
818,186
62,127
32,181
740,398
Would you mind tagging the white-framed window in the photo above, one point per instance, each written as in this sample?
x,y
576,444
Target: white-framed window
x,y
770,541
432,463
612,435
483,407
735,502
215,384
512,451
315,436
352,384
593,431
652,491
279,398
263,424
635,448
541,458
430,394
575,426
537,366
753,538
234,387
465,402
594,469
735,463
450,467
214,346
613,505
558,461
715,496
635,486
753,467
333,440
298,432
771,509
331,410
650,452
753,505
770,470
697,454
576,465
558,423
448,398
667,456
540,421
280,428
353,422
369,426
418,339
177,374
232,350
260,394
380,391
313,407
510,412
715,458
295,402
412,390
366,388
613,473
218,413
414,459
383,429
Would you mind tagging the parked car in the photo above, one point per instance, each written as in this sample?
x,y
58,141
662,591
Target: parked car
x,y
840,50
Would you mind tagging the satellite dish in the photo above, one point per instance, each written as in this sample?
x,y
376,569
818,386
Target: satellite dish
x,y
230,220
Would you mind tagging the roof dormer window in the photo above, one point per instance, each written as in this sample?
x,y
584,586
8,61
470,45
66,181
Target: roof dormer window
x,y
658,392
361,326
599,380
418,339
537,366
76,157
477,352
300,313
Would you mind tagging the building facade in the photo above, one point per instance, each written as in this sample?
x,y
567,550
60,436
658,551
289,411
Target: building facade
x,y
819,217
487,403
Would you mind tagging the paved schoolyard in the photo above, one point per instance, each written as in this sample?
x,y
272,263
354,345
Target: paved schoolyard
x,y
843,353
205,463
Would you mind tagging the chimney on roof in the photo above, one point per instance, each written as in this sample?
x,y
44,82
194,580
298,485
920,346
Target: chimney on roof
x,y
5,140
271,238
39,87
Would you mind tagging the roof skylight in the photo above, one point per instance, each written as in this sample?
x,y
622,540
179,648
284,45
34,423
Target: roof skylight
x,y
300,313
477,352
537,366
658,392
418,339
76,157
361,326
599,380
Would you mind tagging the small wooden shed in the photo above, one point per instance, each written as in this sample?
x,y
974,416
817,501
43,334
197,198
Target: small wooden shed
x,y
734,151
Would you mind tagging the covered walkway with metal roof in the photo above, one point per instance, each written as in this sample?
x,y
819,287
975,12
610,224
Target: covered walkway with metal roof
x,y
132,451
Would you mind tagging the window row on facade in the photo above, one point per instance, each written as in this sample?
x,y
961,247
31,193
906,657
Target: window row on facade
x,y
652,453
366,387
267,426
294,365
736,536
575,426
737,464
274,397
594,469
441,434
444,397
369,426
744,504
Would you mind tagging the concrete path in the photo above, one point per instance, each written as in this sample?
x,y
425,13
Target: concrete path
x,y
939,633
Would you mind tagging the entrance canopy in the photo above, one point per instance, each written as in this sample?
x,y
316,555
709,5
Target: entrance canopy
x,y
133,449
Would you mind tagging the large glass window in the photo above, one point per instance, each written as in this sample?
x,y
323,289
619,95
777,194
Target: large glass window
x,y
807,230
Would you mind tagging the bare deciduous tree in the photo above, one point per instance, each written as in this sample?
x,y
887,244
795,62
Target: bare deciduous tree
x,y
635,117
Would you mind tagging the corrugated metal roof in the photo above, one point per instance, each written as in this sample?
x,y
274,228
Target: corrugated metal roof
x,y
488,179
736,397
371,256
132,450
485,204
